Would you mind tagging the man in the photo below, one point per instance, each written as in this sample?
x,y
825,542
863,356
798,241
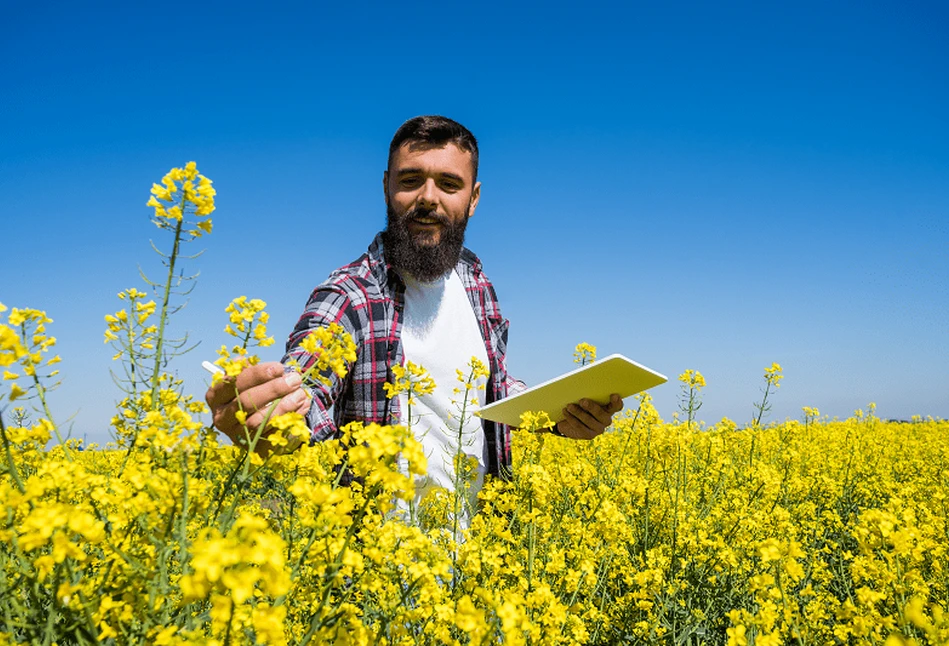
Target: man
x,y
417,295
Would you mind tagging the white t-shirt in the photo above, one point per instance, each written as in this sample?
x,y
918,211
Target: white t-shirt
x,y
441,334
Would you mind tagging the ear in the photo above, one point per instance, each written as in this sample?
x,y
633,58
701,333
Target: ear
x,y
385,186
474,199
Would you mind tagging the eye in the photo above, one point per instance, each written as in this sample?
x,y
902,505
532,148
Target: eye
x,y
450,185
409,181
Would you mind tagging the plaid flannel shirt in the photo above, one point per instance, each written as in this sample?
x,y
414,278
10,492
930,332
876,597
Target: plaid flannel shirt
x,y
367,297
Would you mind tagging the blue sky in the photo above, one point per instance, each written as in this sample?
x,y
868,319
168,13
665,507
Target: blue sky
x,y
711,186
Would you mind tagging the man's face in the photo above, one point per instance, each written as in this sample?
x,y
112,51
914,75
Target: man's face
x,y
430,194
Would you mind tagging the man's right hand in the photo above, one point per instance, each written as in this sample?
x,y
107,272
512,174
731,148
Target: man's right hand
x,y
258,387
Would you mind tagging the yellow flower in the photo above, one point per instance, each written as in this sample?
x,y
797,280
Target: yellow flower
x,y
191,201
692,379
773,375
736,636
333,348
411,379
161,193
770,550
248,323
584,353
288,431
531,421
478,369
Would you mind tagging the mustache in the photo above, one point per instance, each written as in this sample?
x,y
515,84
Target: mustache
x,y
419,212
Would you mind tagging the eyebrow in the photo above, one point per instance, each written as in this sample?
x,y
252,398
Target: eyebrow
x,y
412,171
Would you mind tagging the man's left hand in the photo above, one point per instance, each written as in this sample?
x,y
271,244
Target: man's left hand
x,y
586,419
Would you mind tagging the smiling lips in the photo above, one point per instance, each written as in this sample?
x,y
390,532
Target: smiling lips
x,y
427,218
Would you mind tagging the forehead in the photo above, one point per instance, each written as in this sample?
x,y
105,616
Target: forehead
x,y
432,160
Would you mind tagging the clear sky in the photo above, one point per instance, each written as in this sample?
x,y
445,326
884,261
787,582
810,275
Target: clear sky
x,y
714,186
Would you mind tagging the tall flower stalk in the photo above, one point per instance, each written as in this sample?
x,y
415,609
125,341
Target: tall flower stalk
x,y
772,379
690,400
183,203
464,465
24,344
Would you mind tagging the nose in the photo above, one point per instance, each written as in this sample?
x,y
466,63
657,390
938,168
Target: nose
x,y
428,195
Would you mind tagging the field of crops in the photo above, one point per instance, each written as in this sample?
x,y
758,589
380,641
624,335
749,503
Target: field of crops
x,y
816,531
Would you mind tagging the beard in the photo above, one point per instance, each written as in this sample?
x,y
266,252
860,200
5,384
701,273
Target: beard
x,y
417,255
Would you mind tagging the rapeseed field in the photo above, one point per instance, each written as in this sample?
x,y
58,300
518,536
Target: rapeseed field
x,y
818,531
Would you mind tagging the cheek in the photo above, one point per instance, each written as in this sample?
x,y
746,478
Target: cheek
x,y
460,207
401,203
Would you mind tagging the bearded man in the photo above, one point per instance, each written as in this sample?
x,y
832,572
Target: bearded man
x,y
416,295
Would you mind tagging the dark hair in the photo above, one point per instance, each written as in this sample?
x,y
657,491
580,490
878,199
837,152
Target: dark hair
x,y
434,130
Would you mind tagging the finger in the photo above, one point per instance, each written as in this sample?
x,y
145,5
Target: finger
x,y
259,397
259,374
582,416
256,399
600,413
304,407
234,433
223,391
220,393
616,404
578,424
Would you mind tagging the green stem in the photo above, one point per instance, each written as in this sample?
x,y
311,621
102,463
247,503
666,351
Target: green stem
x,y
183,521
764,403
460,482
10,461
159,342
41,393
647,472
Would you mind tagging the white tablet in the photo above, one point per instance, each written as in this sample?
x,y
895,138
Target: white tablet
x,y
596,381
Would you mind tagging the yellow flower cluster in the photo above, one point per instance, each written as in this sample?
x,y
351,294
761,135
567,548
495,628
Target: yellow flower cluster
x,y
247,322
690,400
129,329
334,350
161,420
773,375
533,422
287,431
584,353
247,564
11,350
692,379
478,373
178,195
242,313
24,345
412,379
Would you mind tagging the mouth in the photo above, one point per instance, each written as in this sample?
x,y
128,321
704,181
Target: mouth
x,y
426,221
